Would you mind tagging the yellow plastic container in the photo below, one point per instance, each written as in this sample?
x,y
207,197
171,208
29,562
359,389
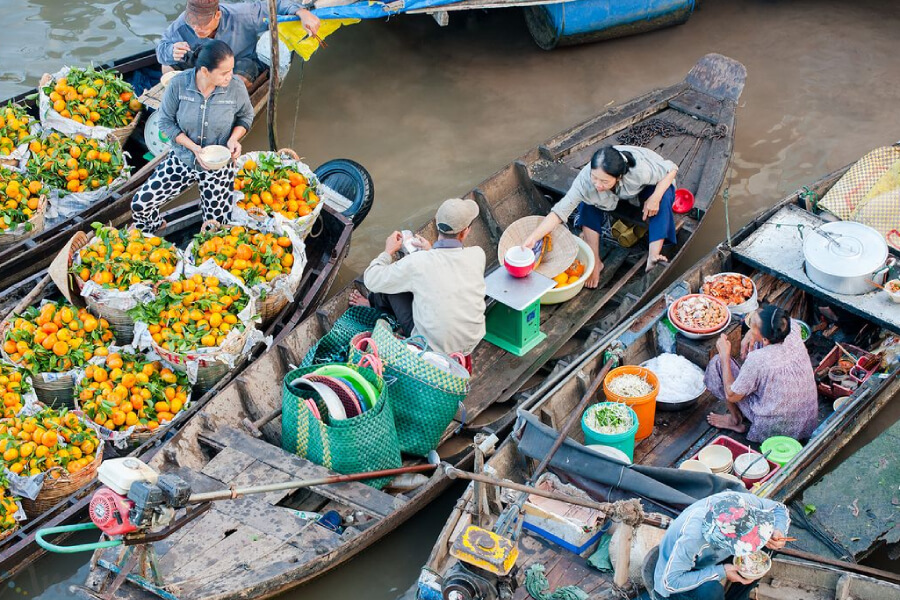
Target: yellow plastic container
x,y
643,406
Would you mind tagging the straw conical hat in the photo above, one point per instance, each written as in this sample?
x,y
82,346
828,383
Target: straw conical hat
x,y
560,258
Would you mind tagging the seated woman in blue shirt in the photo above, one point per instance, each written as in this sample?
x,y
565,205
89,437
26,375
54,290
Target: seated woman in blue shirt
x,y
617,173
695,554
204,106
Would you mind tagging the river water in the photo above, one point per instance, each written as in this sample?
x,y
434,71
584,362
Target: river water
x,y
433,111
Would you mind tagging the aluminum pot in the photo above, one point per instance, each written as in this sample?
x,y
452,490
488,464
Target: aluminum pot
x,y
843,257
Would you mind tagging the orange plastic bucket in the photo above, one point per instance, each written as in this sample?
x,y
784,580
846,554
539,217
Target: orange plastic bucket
x,y
643,406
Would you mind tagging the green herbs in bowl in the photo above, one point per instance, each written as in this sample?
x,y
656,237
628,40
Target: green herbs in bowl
x,y
610,418
805,331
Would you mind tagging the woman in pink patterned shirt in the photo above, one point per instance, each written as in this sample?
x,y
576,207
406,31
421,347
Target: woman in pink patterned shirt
x,y
775,388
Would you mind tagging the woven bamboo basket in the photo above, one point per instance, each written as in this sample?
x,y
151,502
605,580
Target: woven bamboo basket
x,y
139,435
8,238
121,134
273,303
56,490
56,393
209,370
8,533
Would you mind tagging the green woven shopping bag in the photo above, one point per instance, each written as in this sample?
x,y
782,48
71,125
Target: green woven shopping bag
x,y
367,442
424,398
332,347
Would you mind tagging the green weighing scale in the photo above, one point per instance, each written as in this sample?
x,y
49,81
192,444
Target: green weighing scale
x,y
513,322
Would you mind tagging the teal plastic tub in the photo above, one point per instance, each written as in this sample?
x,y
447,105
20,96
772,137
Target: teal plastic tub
x,y
623,441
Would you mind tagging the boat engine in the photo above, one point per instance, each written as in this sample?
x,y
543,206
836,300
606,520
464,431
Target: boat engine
x,y
463,583
135,498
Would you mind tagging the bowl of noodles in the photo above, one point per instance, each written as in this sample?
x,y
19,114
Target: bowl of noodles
x,y
753,566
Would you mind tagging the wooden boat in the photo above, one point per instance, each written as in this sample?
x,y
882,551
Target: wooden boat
x,y
214,451
326,250
31,255
678,436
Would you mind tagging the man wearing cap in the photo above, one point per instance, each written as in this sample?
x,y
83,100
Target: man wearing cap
x,y
695,554
437,292
238,25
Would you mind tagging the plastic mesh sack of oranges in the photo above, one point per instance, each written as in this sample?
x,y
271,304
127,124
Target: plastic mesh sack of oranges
x,y
111,394
114,259
276,205
11,511
238,341
54,341
269,260
86,101
47,445
78,170
16,389
17,128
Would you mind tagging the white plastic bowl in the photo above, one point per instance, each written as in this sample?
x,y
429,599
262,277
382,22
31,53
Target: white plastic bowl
x,y
695,465
757,471
167,77
567,292
895,296
745,307
739,563
717,458
610,452
215,157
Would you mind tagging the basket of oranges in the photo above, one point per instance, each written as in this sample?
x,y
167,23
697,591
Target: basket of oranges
x,y
10,509
96,103
22,206
16,390
51,454
15,133
78,170
52,342
128,396
115,270
200,324
275,187
270,263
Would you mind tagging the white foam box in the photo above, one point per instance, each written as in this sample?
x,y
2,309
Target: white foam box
x,y
575,528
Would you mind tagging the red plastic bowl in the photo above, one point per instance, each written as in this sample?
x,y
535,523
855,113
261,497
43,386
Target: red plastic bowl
x,y
519,262
683,326
684,201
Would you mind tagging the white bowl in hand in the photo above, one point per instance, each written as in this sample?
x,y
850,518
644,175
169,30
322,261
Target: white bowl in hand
x,y
215,157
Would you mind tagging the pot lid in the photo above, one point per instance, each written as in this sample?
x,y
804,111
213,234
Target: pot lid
x,y
846,249
782,448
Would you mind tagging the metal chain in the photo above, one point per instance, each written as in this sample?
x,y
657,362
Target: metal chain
x,y
641,133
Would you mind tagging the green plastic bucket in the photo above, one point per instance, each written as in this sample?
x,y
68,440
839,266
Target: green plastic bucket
x,y
623,441
782,448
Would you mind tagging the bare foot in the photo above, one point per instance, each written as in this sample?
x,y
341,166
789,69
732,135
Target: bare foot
x,y
357,299
726,421
594,278
652,261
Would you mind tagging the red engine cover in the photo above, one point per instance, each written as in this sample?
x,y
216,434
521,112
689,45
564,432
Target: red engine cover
x,y
109,512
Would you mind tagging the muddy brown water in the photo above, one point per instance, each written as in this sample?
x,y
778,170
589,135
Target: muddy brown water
x,y
433,111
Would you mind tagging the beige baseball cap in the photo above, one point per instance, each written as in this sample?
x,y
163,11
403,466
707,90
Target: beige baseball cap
x,y
455,214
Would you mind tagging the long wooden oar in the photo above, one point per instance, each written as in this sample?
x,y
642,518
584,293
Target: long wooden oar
x,y
304,483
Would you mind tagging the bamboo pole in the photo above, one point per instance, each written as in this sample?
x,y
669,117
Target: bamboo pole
x,y
274,84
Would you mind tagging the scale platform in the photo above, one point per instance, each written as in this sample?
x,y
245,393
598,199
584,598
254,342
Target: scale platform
x,y
513,322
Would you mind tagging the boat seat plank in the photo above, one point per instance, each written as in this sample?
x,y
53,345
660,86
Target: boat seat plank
x,y
697,104
358,495
227,464
211,529
259,473
553,176
779,251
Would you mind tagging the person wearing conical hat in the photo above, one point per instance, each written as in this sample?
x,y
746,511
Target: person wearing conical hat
x,y
618,173
238,25
438,291
695,554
